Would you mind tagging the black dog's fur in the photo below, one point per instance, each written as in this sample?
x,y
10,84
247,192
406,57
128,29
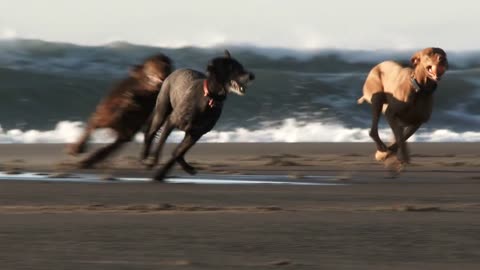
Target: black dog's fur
x,y
185,103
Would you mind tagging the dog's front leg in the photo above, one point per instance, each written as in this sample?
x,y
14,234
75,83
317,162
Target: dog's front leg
x,y
159,116
398,134
187,142
408,132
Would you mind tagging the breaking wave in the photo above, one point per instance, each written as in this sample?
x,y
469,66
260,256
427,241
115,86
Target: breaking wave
x,y
49,89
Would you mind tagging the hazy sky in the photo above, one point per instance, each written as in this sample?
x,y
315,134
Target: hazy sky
x,y
354,24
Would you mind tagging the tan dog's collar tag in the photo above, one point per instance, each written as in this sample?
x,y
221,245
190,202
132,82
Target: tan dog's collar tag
x,y
415,85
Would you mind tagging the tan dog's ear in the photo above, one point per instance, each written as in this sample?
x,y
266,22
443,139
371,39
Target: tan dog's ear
x,y
415,58
445,61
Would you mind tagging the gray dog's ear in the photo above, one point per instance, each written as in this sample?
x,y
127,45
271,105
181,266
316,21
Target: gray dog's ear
x,y
227,54
210,67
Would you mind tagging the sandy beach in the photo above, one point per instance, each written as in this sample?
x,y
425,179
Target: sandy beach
x,y
428,217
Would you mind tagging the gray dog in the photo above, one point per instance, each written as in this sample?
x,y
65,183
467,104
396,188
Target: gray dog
x,y
192,101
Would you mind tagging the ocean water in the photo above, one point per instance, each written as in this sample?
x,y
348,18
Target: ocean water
x,y
48,90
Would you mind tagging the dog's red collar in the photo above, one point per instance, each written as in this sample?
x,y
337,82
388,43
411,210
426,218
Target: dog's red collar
x,y
205,88
211,101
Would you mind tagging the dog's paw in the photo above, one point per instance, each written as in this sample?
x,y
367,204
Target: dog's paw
x,y
149,163
74,149
84,164
382,155
394,165
160,176
187,167
158,179
191,170
404,160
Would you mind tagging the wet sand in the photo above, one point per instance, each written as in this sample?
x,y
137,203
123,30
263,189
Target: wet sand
x,y
428,217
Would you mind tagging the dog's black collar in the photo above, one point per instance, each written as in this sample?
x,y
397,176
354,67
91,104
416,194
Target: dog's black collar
x,y
419,89
415,84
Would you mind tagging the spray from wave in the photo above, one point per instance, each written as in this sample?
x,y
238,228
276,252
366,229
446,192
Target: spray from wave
x,y
290,131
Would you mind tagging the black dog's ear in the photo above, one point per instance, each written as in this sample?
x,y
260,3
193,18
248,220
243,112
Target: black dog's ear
x,y
136,71
210,67
227,54
213,67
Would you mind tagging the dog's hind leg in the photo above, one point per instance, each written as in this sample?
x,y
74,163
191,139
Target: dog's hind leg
x,y
398,132
80,146
377,101
160,114
185,166
148,138
178,156
103,152
167,129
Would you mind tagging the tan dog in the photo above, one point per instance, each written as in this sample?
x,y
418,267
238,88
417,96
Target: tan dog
x,y
406,96
127,107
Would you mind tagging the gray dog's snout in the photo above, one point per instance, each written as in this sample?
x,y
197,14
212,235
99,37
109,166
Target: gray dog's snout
x,y
251,76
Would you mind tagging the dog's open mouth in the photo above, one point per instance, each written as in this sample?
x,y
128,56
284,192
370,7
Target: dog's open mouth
x,y
154,80
237,88
432,74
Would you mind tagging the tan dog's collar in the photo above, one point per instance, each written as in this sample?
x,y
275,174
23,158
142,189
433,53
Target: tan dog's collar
x,y
415,84
418,88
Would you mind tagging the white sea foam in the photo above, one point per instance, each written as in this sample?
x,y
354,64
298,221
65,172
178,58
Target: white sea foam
x,y
289,131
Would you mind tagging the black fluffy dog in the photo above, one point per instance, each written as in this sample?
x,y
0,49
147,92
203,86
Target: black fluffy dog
x,y
192,101
126,108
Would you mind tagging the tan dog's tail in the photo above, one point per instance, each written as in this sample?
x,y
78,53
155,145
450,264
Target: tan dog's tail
x,y
361,100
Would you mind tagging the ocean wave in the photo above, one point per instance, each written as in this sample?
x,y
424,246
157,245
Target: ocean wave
x,y
44,83
290,131
114,57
